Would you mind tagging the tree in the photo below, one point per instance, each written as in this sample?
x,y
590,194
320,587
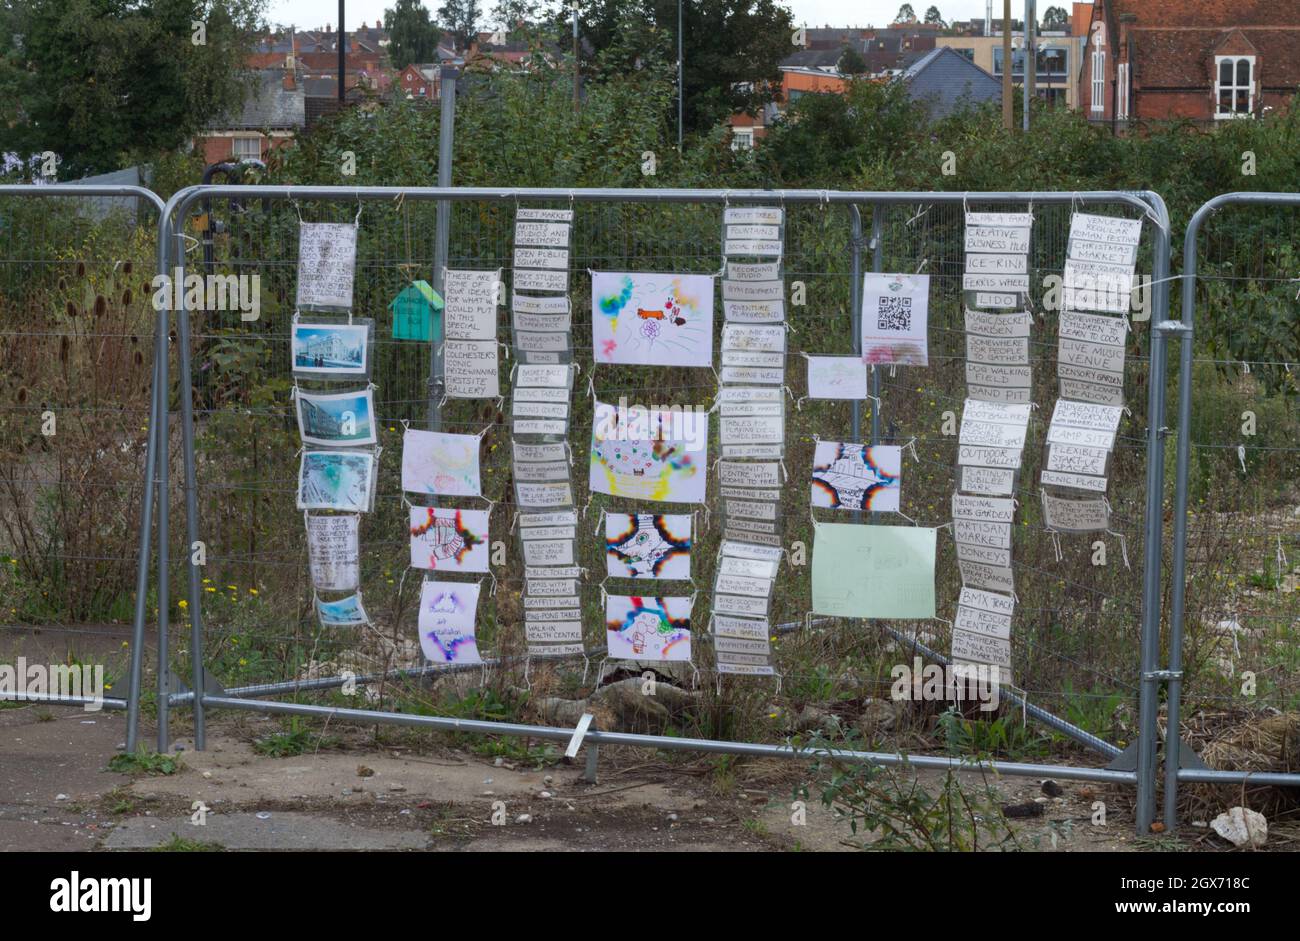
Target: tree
x,y
851,62
103,82
905,14
412,35
933,15
731,49
1055,18
461,18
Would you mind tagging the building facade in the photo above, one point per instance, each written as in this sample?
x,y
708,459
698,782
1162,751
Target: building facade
x,y
1201,60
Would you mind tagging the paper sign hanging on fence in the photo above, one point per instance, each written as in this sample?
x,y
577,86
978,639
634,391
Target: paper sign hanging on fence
x,y
338,419
470,298
837,377
857,476
448,611
895,311
331,350
336,480
345,612
471,369
333,552
648,545
327,256
652,319
648,454
643,628
449,540
440,464
861,571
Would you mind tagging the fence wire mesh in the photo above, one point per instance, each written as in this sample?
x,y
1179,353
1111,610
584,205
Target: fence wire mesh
x,y
1241,654
77,328
1076,634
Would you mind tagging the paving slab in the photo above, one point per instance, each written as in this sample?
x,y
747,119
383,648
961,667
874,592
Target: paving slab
x,y
279,831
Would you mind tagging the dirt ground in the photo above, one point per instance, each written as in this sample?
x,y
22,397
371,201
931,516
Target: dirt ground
x,y
56,794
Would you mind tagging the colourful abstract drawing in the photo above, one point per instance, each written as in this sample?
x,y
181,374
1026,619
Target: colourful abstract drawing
x,y
647,545
856,476
346,612
447,615
441,464
336,480
640,628
649,455
649,319
449,540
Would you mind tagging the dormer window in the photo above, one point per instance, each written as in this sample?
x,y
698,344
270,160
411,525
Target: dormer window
x,y
1234,86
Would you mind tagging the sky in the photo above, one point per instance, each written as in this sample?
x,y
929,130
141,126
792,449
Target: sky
x,y
314,13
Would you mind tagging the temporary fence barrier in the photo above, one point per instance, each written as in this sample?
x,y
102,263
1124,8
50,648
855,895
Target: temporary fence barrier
x,y
673,230
1240,267
76,268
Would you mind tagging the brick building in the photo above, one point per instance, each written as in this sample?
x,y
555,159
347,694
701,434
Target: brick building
x,y
1205,60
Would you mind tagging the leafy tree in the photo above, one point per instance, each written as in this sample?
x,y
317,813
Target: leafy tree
x,y
461,18
731,48
851,62
1055,18
905,14
100,82
933,15
412,35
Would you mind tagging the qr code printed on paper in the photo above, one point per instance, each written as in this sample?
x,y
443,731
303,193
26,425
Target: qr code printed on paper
x,y
894,314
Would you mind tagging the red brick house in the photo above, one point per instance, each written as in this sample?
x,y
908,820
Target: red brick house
x,y
1206,60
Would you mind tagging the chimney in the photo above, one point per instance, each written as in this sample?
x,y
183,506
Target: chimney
x,y
287,83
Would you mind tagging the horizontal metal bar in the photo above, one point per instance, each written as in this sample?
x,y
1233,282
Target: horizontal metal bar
x,y
183,199
56,700
549,733
1208,776
75,189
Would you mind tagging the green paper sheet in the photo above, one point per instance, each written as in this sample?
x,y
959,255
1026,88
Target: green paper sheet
x,y
861,571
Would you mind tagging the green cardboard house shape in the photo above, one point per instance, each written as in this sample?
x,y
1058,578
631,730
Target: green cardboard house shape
x,y
417,313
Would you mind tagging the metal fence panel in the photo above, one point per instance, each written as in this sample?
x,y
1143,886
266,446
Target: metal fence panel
x,y
1234,599
79,418
1080,624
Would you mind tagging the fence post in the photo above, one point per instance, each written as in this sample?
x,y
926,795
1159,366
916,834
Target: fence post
x,y
442,234
1148,698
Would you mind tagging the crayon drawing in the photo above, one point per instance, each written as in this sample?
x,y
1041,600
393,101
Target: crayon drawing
x,y
440,464
640,628
648,455
449,540
649,319
856,476
647,545
447,615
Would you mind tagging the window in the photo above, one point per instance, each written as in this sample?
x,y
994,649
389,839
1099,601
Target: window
x,y
1017,61
1098,68
1234,89
1121,91
246,148
742,138
1052,64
